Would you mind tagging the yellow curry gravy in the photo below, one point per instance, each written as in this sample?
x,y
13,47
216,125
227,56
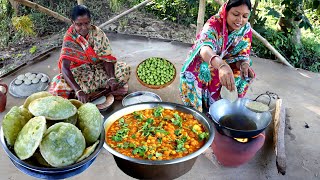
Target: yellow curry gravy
x,y
156,134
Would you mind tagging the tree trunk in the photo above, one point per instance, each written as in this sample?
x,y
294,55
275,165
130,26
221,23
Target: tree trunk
x,y
254,12
284,25
15,6
296,33
51,3
201,13
289,26
80,2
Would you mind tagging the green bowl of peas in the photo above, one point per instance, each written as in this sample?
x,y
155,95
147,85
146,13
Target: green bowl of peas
x,y
156,72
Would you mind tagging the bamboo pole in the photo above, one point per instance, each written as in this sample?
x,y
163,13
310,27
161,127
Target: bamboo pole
x,y
44,10
80,2
266,43
201,13
125,13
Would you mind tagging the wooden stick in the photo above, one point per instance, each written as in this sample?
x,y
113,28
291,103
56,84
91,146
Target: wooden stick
x,y
278,136
125,13
44,10
15,6
80,2
201,14
266,43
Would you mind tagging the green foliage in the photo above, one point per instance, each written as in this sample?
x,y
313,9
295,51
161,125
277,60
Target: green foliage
x,y
183,12
44,24
24,25
5,23
33,49
293,9
5,32
115,5
180,11
306,57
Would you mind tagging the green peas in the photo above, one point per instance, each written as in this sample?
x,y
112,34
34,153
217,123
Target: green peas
x,y
156,71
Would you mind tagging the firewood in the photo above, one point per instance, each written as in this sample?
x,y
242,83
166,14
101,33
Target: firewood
x,y
278,136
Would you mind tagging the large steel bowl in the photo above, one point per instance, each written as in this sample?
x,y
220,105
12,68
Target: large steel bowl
x,y
166,169
32,169
224,107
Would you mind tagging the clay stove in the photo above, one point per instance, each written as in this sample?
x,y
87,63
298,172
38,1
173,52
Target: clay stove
x,y
233,152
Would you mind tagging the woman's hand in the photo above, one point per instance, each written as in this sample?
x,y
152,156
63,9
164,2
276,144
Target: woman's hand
x,y
226,77
82,97
114,85
246,71
225,72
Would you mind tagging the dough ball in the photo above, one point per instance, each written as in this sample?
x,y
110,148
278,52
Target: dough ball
x,y
31,77
20,77
39,76
27,82
35,80
28,74
44,79
18,82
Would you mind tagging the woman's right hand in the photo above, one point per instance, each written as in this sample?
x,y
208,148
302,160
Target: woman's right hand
x,y
114,85
82,97
225,73
226,77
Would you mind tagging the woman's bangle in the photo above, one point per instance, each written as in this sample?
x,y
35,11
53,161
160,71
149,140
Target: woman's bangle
x,y
223,64
77,92
244,62
212,57
112,78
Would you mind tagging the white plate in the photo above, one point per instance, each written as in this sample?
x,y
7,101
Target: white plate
x,y
23,90
100,100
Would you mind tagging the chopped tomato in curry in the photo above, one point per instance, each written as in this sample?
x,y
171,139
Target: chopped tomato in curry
x,y
156,134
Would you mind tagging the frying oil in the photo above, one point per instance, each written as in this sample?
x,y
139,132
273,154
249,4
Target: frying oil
x,y
238,122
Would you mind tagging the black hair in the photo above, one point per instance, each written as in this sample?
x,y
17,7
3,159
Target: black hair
x,y
236,3
80,10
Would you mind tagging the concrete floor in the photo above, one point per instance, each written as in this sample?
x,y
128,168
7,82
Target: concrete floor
x,y
299,89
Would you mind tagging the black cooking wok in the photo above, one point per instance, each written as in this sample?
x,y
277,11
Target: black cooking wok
x,y
237,121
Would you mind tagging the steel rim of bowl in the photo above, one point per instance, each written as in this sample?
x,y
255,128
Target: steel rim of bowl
x,y
139,93
239,131
167,105
52,169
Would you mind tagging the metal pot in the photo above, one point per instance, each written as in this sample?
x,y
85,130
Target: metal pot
x,y
51,172
3,96
166,169
224,107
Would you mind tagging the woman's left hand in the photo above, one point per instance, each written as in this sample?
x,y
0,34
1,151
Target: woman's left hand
x,y
246,71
